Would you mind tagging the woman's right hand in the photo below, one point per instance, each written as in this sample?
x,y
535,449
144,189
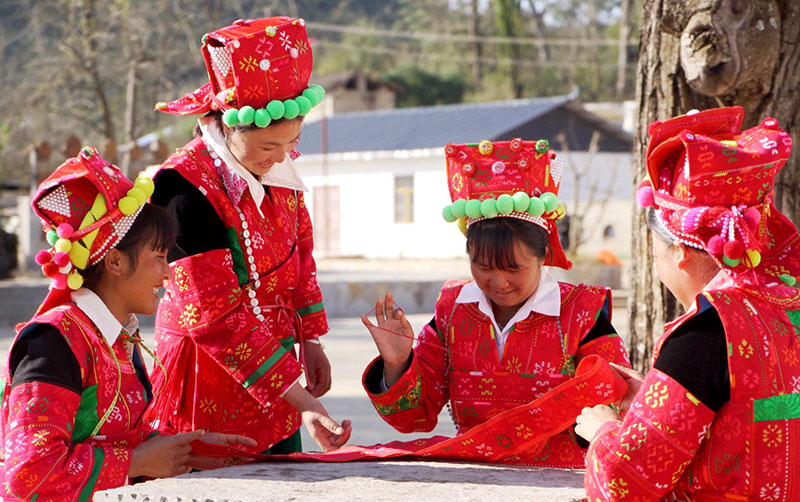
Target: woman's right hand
x,y
393,336
163,456
328,434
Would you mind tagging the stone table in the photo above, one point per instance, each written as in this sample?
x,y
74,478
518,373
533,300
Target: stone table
x,y
373,481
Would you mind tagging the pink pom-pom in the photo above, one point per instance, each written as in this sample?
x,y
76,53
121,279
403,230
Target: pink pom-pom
x,y
43,257
50,269
733,250
715,245
64,231
752,217
61,259
691,220
60,281
645,198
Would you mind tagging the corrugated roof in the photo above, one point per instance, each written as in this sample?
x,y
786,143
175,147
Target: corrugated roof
x,y
425,127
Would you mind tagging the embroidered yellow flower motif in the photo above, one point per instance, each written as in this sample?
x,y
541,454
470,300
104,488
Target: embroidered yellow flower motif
x,y
656,395
40,438
243,351
772,435
248,64
207,405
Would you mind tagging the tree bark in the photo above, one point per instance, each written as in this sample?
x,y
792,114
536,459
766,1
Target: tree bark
x,y
622,48
477,49
750,58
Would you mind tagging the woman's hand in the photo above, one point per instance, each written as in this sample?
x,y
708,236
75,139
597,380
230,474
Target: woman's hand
x,y
163,456
590,420
393,336
207,463
323,429
318,369
634,380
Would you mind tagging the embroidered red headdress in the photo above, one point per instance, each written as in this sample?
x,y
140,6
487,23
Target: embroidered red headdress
x,y
515,179
86,206
712,186
258,72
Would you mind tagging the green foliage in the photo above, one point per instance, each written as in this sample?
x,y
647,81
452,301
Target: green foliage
x,y
418,87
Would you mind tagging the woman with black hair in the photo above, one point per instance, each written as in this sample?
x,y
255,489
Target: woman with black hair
x,y
512,333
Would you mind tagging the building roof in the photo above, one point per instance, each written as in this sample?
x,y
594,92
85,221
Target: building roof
x,y
435,126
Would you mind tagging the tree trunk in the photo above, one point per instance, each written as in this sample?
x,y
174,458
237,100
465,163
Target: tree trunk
x,y
729,56
622,48
477,49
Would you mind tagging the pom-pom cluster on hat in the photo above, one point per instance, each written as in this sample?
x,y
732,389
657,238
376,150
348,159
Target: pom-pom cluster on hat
x,y
275,110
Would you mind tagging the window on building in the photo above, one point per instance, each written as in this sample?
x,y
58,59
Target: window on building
x,y
404,199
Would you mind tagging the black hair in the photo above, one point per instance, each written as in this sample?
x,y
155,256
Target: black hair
x,y
654,223
492,241
152,226
239,127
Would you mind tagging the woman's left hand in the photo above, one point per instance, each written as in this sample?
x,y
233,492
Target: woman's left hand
x,y
590,420
318,369
207,463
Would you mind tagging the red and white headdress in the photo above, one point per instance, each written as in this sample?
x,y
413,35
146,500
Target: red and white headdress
x,y
86,206
258,72
514,179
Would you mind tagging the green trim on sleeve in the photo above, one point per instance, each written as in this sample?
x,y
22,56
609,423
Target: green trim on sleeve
x,y
311,309
782,407
239,264
97,465
86,419
265,366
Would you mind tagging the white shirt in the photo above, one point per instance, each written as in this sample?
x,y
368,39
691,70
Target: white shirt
x,y
91,305
545,300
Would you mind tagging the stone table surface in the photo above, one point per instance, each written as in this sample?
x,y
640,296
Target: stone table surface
x,y
373,481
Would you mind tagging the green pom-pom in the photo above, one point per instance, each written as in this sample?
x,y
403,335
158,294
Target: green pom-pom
x,y
304,103
138,194
291,109
231,117
447,214
262,118
542,146
459,208
276,109
505,204
312,95
550,201
146,185
729,262
536,207
789,280
489,208
52,237
128,205
473,209
247,114
521,202
319,89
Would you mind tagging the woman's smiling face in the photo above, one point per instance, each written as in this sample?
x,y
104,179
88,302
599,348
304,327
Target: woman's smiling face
x,y
259,149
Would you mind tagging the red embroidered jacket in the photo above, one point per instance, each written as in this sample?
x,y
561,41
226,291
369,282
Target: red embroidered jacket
x,y
459,365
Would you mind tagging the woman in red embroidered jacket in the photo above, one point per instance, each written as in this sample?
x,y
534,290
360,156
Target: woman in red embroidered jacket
x,y
75,388
718,415
513,333
244,288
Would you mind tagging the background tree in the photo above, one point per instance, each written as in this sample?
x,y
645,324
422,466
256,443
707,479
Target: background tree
x,y
702,54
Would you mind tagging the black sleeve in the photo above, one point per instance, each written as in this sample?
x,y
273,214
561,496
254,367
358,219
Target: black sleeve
x,y
42,355
602,327
200,229
696,357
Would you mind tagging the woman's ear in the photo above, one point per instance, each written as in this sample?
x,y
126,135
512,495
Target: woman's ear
x,y
116,263
683,255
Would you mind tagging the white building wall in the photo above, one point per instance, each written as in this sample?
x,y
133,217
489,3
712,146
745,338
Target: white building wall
x,y
366,188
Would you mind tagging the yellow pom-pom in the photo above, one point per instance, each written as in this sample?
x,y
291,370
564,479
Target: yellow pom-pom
x,y
485,147
462,225
145,184
754,257
138,194
128,205
729,143
74,280
559,212
63,246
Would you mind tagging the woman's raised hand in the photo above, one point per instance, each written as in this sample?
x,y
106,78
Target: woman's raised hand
x,y
393,336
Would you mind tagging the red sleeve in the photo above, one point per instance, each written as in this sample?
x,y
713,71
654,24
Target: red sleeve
x,y
307,297
644,456
42,461
413,403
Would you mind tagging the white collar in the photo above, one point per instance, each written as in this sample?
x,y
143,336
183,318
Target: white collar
x,y
282,174
91,305
545,300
